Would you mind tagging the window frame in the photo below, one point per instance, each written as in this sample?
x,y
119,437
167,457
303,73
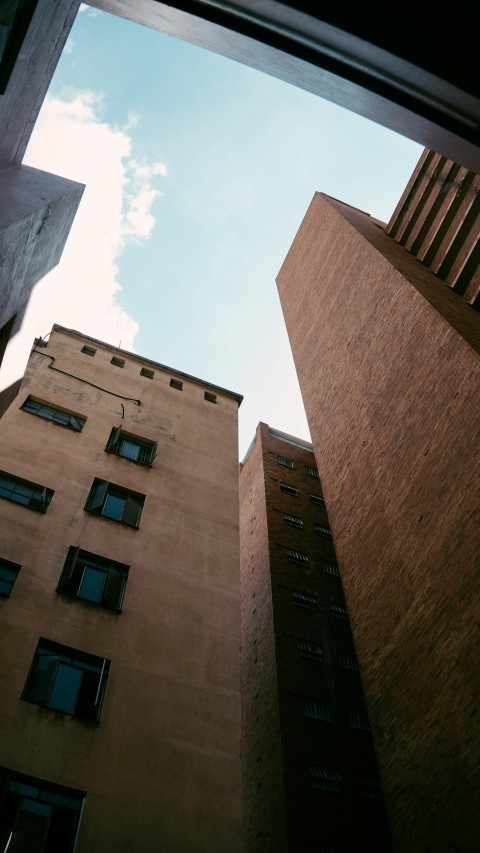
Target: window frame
x,y
289,490
8,566
312,472
98,496
73,575
37,502
46,677
285,461
118,435
17,787
75,422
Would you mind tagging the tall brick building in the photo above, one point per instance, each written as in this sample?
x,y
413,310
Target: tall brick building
x,y
385,339
310,776
120,710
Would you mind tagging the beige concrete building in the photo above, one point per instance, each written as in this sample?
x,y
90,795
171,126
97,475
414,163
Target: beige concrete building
x,y
120,713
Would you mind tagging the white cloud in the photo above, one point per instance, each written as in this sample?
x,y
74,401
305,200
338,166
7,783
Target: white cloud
x,y
84,291
69,45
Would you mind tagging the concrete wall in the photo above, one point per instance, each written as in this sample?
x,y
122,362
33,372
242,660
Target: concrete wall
x,y
162,768
389,375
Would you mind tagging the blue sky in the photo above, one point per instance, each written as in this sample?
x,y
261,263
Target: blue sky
x,y
199,171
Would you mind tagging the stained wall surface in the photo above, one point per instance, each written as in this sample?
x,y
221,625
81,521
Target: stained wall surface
x,y
161,769
387,363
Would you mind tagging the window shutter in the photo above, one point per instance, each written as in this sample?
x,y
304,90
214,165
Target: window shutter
x,y
41,680
114,436
86,704
113,595
75,423
66,584
39,502
132,511
153,453
97,495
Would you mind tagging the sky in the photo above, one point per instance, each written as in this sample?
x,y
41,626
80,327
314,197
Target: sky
x,y
198,173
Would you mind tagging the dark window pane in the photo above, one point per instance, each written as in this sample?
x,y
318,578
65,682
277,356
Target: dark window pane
x,y
114,507
42,678
92,583
97,495
132,512
65,689
129,449
89,697
30,828
113,595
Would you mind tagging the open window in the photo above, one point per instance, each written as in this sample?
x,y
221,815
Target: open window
x,y
67,680
115,502
92,578
24,492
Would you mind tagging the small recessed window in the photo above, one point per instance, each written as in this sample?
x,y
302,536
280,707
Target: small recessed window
x,y
282,460
293,520
8,575
303,600
359,720
88,350
211,398
317,499
149,374
118,362
175,383
338,610
330,568
348,660
317,708
312,472
323,531
289,490
309,649
325,779
298,557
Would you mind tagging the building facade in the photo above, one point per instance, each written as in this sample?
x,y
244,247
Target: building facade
x,y
310,777
387,358
120,606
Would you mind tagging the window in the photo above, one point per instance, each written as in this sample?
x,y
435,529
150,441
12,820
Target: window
x,y
149,374
339,610
317,499
58,416
303,600
88,350
370,787
67,680
323,531
37,816
8,575
312,472
330,568
118,362
317,708
282,460
359,720
325,779
115,503
175,383
212,398
297,557
14,22
289,490
293,520
130,447
310,650
24,492
90,577
348,661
